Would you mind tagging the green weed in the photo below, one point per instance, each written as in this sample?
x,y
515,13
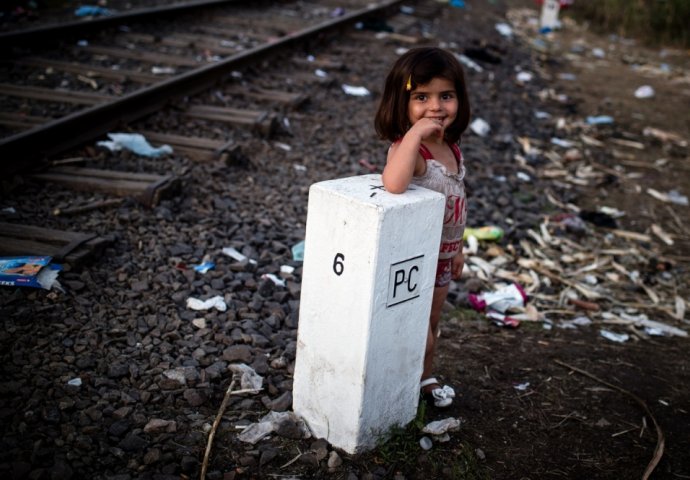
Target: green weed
x,y
656,21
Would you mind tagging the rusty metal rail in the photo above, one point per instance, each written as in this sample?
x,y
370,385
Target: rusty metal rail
x,y
39,34
25,149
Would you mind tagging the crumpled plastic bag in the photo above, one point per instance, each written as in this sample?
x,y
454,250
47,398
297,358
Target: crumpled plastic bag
x,y
216,302
501,300
92,11
440,427
134,142
249,380
270,423
355,91
497,304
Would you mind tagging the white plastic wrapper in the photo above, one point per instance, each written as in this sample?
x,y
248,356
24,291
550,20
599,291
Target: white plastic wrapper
x,y
269,424
249,379
216,302
439,427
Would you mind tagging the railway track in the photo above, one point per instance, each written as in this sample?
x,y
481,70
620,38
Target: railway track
x,y
228,87
138,64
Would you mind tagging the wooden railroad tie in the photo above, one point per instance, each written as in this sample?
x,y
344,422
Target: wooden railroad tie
x,y
289,99
54,95
144,187
142,56
91,71
199,149
262,122
63,246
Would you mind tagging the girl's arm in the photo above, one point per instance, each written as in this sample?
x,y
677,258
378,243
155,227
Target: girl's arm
x,y
404,160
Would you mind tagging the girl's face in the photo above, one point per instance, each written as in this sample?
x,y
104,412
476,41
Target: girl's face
x,y
436,100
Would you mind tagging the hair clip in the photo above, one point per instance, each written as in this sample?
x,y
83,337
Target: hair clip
x,y
408,85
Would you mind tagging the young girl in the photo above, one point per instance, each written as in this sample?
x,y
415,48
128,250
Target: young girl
x,y
423,111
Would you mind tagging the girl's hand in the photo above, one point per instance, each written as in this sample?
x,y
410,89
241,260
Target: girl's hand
x,y
427,128
457,265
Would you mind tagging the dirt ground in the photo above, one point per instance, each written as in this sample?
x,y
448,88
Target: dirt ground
x,y
562,422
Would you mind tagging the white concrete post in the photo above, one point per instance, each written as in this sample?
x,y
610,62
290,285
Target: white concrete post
x,y
369,268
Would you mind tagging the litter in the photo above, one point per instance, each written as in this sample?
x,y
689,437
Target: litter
x,y
457,3
671,197
642,320
562,143
469,63
541,115
598,53
488,232
163,70
134,142
645,91
298,251
504,29
522,176
426,443
277,281
439,427
249,379
355,91
32,271
614,337
320,73
204,267
600,120
287,269
75,382
503,320
524,77
501,300
270,423
283,146
575,322
480,127
216,302
91,11
548,19
521,386
233,253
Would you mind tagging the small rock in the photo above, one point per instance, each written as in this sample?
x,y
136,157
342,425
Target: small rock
x,y
480,454
309,459
199,323
282,403
334,460
194,397
158,425
132,443
242,353
268,455
188,464
320,448
152,456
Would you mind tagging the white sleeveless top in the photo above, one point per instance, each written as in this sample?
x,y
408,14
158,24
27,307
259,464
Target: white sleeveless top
x,y
438,178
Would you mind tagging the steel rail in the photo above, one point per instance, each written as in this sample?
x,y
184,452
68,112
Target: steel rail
x,y
23,150
35,35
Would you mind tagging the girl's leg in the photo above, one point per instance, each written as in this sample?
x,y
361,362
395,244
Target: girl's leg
x,y
439,298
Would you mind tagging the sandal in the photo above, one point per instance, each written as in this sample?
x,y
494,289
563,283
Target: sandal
x,y
441,395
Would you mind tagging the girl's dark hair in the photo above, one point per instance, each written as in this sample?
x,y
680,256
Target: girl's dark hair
x,y
420,66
